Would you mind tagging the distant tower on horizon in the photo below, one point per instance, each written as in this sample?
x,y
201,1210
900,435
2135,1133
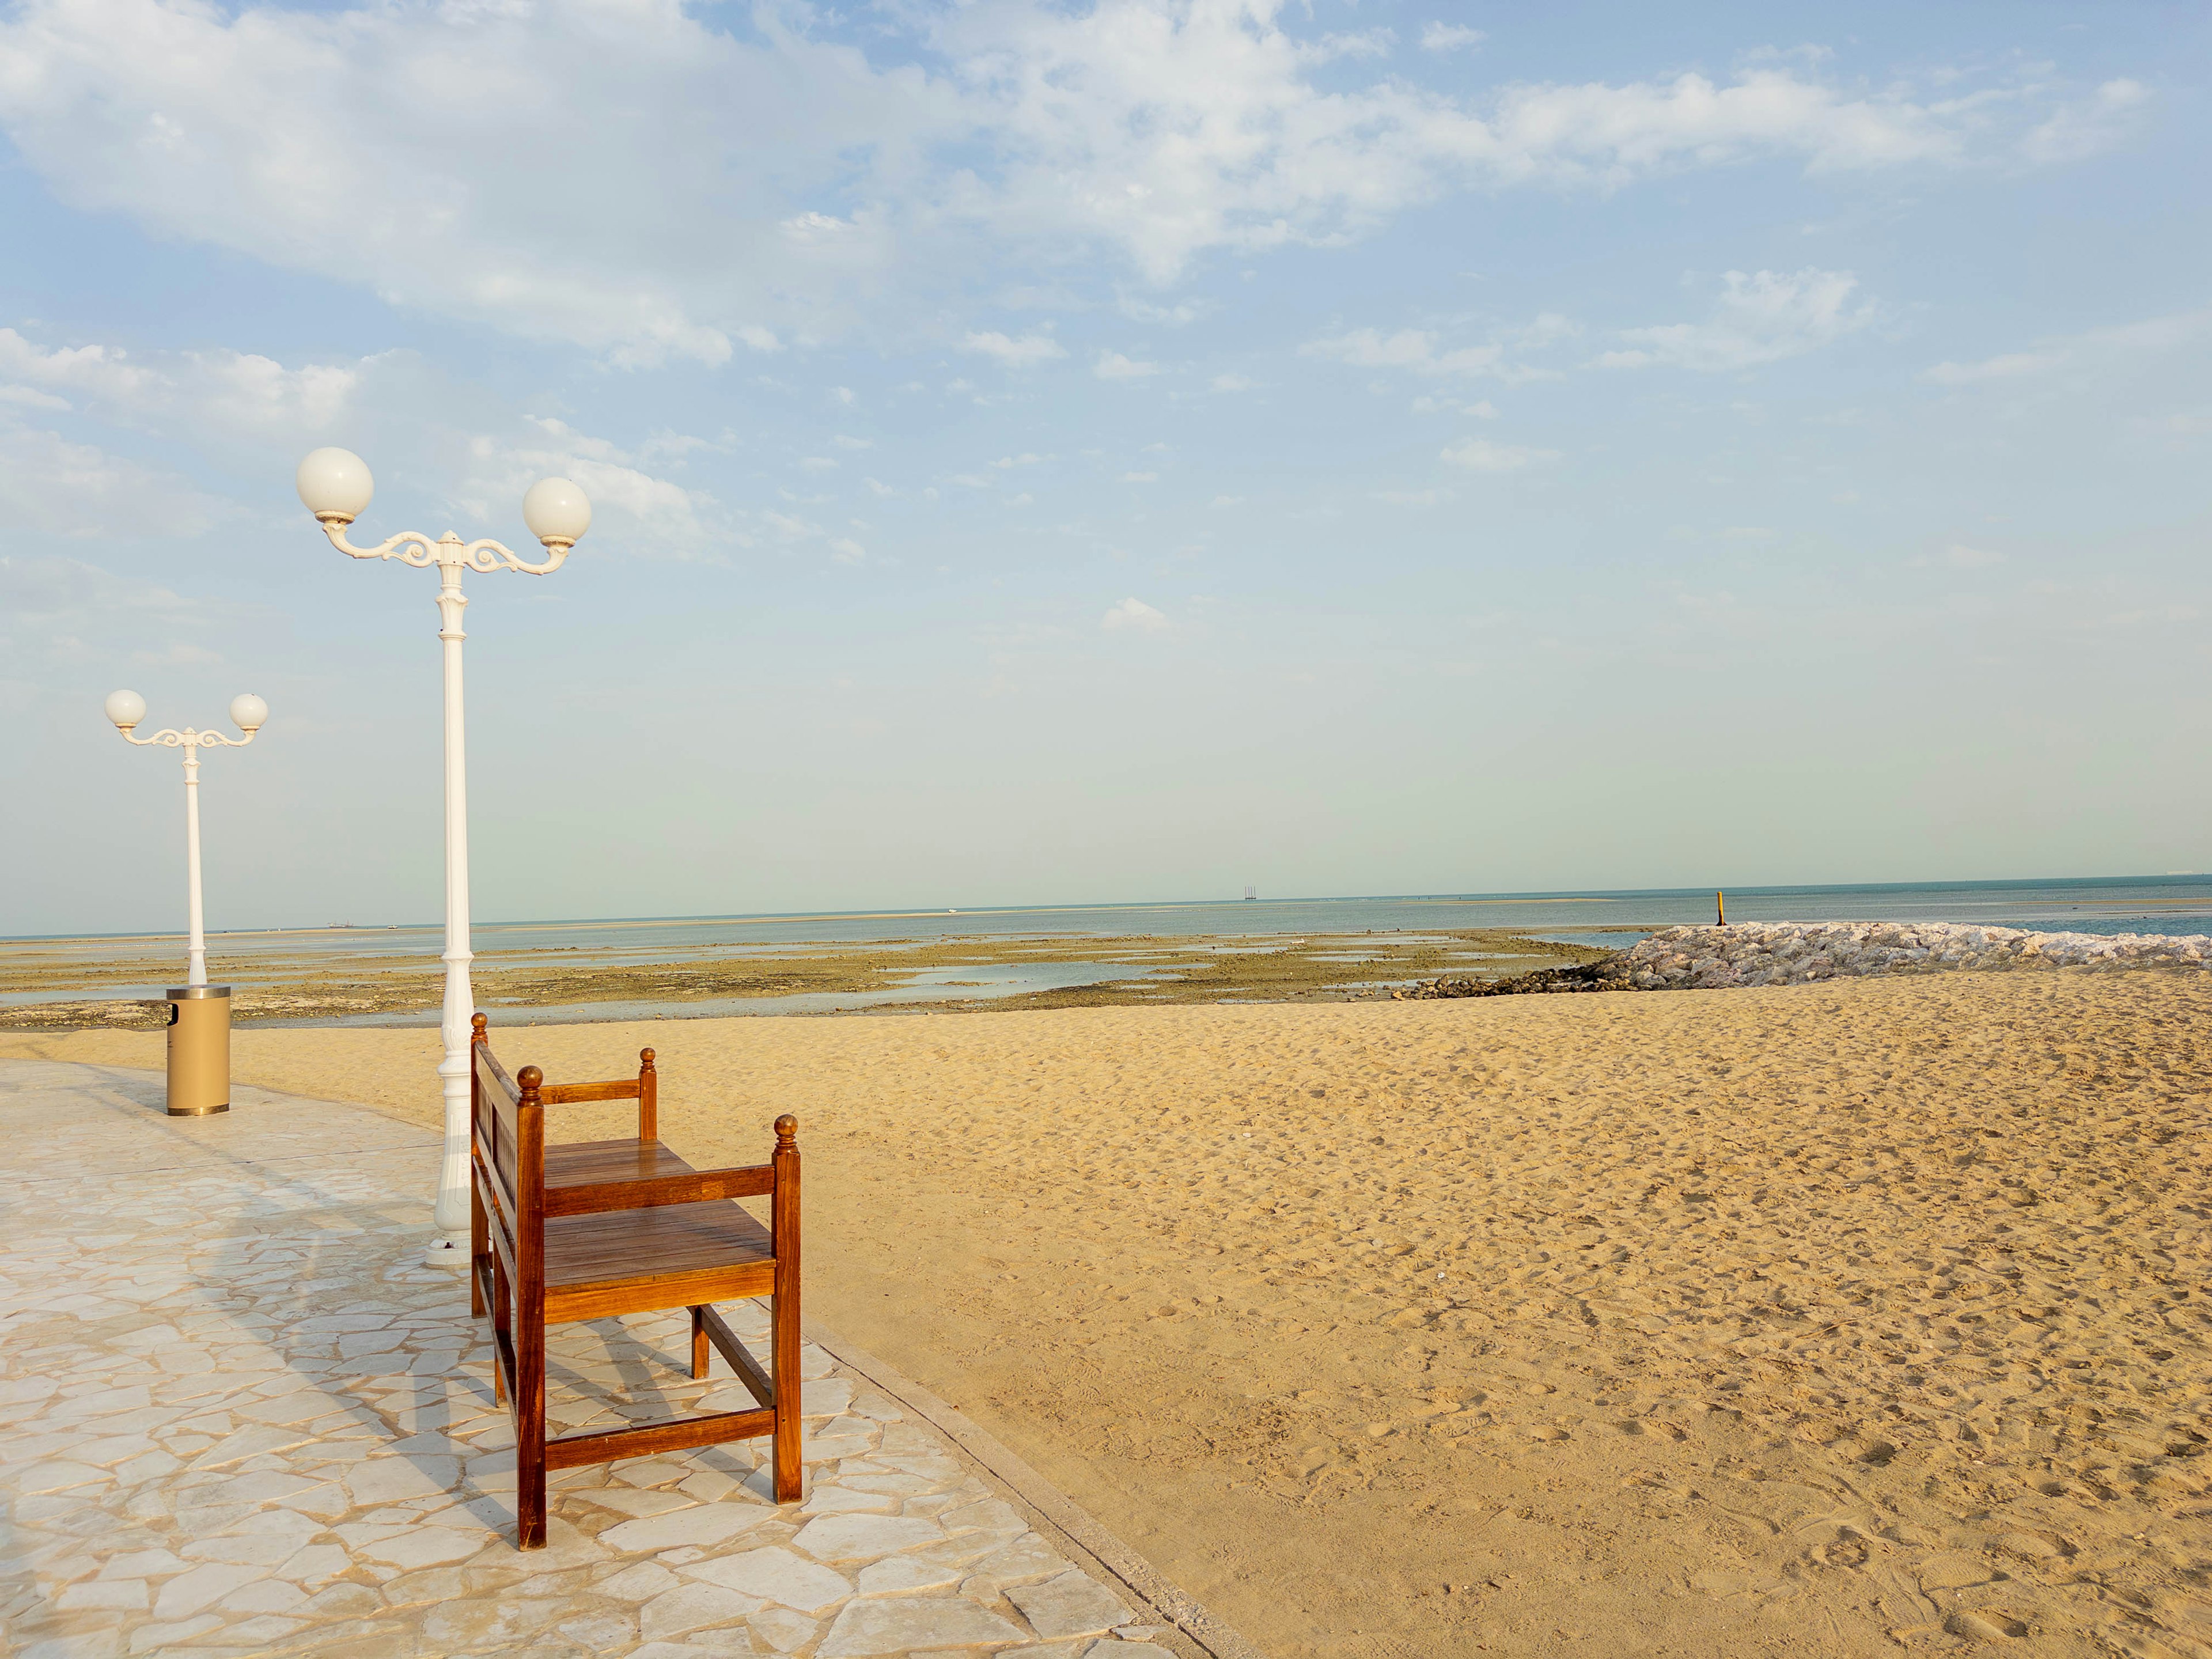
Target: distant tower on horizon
x,y
1250,893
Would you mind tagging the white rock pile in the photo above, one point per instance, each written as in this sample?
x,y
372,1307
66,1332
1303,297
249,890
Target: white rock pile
x,y
1791,953
1796,952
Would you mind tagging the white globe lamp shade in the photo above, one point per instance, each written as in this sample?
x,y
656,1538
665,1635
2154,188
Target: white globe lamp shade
x,y
247,712
125,708
335,485
557,513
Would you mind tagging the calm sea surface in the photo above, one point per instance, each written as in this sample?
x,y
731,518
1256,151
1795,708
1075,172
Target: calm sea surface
x,y
2118,904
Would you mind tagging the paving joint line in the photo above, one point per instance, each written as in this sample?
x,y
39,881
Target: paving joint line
x,y
1048,1509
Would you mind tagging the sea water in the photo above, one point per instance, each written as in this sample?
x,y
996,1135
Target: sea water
x,y
2109,904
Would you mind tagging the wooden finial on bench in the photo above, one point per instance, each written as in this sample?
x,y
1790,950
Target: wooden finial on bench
x,y
477,1023
786,1133
527,1079
648,1097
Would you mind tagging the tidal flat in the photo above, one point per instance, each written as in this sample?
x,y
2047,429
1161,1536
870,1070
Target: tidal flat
x,y
368,979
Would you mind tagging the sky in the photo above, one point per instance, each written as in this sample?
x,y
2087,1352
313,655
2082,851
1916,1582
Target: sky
x,y
1111,450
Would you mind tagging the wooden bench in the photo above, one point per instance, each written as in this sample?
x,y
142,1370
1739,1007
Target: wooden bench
x,y
597,1228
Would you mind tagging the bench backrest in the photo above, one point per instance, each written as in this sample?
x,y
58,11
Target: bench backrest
x,y
507,1132
507,1140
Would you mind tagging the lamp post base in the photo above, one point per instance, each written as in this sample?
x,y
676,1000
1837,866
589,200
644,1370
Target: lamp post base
x,y
444,1253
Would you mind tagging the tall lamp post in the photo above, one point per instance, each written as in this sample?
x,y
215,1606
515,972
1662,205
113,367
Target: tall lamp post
x,y
247,714
335,485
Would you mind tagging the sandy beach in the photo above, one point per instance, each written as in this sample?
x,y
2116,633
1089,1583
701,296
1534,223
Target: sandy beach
x,y
1820,1320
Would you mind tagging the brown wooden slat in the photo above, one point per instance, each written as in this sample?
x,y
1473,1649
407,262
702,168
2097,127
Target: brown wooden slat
x,y
503,1250
481,1272
502,1355
699,1188
572,1094
609,1298
488,1066
633,1244
756,1381
572,1451
502,1194
589,1163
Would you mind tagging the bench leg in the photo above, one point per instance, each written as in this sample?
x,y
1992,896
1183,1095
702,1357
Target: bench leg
x,y
530,1434
698,1343
783,1346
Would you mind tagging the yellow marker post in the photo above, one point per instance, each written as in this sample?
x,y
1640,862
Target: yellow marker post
x,y
1720,909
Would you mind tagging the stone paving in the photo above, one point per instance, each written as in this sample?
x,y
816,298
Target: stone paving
x,y
239,1416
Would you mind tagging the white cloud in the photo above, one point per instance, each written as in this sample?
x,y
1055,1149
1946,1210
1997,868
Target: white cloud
x,y
1140,478
1421,351
792,185
472,455
1171,128
2010,366
51,486
845,551
1232,383
843,442
2090,351
2097,123
1174,316
1113,366
631,505
1409,348
788,527
233,393
1449,37
816,464
1481,409
1480,455
1134,617
1972,558
52,604
1026,352
1761,317
1229,500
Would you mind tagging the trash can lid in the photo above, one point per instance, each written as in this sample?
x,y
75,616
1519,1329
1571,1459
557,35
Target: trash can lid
x,y
188,993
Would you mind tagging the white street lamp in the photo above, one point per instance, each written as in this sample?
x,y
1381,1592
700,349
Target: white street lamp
x,y
247,714
335,485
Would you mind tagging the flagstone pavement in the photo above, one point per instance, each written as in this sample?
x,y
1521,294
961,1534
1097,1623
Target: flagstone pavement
x,y
239,1416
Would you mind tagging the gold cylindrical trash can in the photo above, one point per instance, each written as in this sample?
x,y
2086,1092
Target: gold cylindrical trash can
x,y
199,1050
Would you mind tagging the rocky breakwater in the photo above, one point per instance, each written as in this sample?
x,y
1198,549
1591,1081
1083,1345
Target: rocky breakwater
x,y
1797,952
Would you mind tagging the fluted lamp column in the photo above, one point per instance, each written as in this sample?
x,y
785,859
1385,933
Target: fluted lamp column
x,y
336,487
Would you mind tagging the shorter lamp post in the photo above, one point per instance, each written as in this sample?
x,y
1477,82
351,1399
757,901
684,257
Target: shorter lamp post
x,y
247,712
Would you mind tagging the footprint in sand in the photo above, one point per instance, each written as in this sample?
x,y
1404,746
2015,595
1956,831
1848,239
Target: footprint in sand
x,y
1985,1623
